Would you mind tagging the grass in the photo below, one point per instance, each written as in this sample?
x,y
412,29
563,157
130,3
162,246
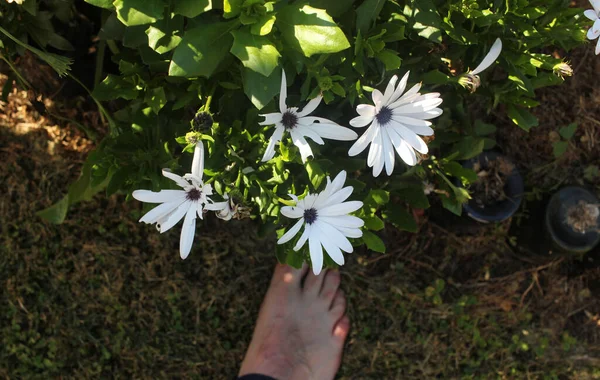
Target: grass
x,y
103,296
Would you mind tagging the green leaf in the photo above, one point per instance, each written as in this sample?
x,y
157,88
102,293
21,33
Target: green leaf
x,y
30,6
310,30
232,8
139,12
57,212
156,99
261,90
468,147
568,131
201,50
455,169
333,7
426,19
373,223
106,4
162,36
484,129
452,205
315,173
263,26
400,217
255,52
414,196
191,8
373,242
522,117
559,148
389,59
377,197
367,13
435,77
113,87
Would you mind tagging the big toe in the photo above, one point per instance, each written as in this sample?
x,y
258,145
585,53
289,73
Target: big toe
x,y
341,329
286,276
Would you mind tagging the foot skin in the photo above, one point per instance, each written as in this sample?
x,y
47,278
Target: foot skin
x,y
301,328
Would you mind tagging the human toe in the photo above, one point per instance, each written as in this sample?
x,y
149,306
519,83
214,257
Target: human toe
x,y
286,275
341,329
331,284
338,306
314,283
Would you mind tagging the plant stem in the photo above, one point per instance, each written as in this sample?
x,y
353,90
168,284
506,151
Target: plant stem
x,y
24,82
209,98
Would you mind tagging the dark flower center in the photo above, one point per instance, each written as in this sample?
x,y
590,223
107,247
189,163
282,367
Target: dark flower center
x,y
384,116
193,195
202,121
310,215
289,120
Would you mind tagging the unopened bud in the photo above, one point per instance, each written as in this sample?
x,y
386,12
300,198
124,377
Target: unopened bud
x,y
202,121
563,70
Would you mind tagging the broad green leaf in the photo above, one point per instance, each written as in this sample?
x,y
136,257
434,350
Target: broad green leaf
x,y
559,148
373,242
156,99
400,217
522,117
113,87
568,131
135,36
232,8
414,196
163,35
255,52
57,212
315,173
452,205
373,223
106,4
112,29
390,59
426,19
455,169
435,77
310,30
484,129
263,26
201,50
30,6
376,198
191,8
468,147
333,7
139,12
367,13
261,90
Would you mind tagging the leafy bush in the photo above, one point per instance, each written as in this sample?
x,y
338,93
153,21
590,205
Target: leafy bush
x,y
225,58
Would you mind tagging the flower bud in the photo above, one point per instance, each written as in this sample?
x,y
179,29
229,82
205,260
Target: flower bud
x,y
470,81
563,70
202,121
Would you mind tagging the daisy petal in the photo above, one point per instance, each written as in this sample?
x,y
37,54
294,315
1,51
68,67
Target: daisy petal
x,y
490,58
338,182
361,121
187,233
292,212
365,110
404,150
350,232
310,133
302,145
400,89
334,236
160,211
316,251
291,232
283,93
158,197
593,33
388,153
329,130
332,250
274,139
271,118
174,177
411,138
377,97
596,5
341,208
346,221
198,160
173,218
364,140
310,107
389,90
338,197
375,149
217,206
431,114
302,240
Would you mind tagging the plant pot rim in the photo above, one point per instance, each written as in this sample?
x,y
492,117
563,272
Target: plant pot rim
x,y
552,230
514,189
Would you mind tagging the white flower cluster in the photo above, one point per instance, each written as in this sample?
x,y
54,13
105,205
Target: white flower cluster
x,y
594,15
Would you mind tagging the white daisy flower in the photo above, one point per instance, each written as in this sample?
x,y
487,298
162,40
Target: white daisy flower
x,y
326,222
396,121
594,15
471,80
300,126
177,204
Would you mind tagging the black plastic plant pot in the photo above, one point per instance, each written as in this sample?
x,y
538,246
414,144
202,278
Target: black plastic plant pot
x,y
512,189
572,219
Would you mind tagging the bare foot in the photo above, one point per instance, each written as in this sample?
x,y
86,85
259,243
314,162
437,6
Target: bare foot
x,y
301,329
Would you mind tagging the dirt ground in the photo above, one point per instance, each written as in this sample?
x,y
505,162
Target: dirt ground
x,y
104,296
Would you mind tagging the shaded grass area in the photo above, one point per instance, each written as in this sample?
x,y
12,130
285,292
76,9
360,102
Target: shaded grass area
x,y
103,296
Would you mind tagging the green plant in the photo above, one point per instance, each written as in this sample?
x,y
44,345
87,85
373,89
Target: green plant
x,y
225,58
